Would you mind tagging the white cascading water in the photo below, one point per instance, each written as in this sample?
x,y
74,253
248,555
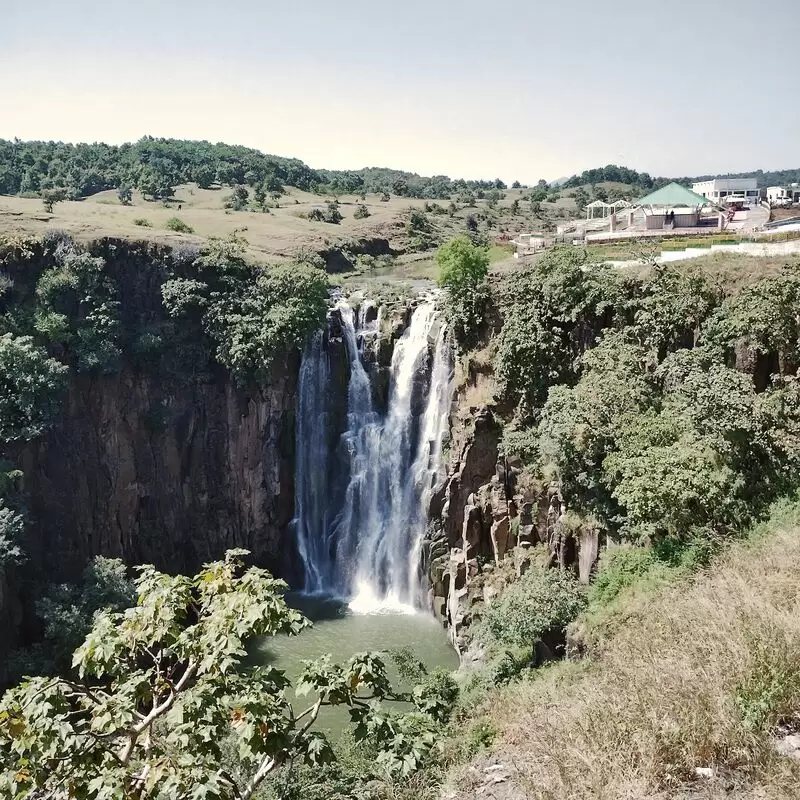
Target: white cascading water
x,y
363,542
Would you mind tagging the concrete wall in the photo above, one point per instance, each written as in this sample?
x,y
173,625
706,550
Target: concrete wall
x,y
745,248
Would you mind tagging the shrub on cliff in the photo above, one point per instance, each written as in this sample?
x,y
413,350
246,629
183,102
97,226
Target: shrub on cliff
x,y
270,316
67,612
31,385
463,268
552,311
543,601
78,308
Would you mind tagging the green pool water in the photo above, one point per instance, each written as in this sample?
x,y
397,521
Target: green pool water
x,y
342,634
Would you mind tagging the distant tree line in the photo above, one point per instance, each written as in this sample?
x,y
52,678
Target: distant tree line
x,y
643,181
153,166
156,166
381,180
780,177
612,173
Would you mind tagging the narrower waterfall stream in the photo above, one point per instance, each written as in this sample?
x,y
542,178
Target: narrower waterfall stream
x,y
361,497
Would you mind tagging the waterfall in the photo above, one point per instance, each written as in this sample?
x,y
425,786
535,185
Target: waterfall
x,y
361,501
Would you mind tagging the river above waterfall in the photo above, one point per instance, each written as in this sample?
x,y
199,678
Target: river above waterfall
x,y
342,633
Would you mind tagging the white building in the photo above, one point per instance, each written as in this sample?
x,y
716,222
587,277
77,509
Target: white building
x,y
528,243
783,195
721,190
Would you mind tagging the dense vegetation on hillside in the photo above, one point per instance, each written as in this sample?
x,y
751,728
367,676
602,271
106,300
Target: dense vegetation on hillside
x,y
631,395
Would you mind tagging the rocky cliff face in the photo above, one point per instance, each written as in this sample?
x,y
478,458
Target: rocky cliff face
x,y
156,471
484,526
162,458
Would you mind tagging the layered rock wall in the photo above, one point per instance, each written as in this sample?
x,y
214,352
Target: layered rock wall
x,y
485,528
154,471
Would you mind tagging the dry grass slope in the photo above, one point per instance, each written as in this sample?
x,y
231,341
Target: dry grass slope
x,y
700,678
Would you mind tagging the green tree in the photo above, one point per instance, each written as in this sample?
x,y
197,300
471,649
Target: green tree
x,y
31,385
272,184
538,195
226,173
400,187
463,268
238,199
581,199
332,214
125,194
52,196
204,175
260,196
163,695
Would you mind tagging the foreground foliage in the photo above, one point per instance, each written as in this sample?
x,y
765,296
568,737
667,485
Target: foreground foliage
x,y
164,704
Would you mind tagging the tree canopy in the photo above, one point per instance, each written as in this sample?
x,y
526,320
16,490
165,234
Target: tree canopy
x,y
163,703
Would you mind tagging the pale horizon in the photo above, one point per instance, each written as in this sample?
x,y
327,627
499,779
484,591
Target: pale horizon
x,y
519,91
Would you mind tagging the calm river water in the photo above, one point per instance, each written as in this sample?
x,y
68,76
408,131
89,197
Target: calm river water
x,y
342,633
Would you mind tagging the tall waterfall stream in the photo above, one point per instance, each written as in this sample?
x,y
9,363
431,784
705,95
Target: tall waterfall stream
x,y
361,501
365,471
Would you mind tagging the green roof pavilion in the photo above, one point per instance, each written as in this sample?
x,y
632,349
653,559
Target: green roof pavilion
x,y
674,195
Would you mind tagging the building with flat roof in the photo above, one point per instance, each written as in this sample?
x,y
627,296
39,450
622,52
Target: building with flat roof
x,y
726,190
783,195
527,244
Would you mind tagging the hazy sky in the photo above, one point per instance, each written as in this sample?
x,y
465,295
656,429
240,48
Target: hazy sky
x,y
471,88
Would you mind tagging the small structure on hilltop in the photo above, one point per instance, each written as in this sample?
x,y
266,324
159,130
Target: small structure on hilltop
x,y
598,209
674,206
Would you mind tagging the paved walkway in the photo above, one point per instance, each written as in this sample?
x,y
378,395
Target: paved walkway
x,y
754,218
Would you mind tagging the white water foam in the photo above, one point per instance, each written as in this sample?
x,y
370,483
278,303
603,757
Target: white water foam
x,y
364,542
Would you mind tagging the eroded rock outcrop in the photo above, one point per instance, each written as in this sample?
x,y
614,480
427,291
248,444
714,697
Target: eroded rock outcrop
x,y
486,530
